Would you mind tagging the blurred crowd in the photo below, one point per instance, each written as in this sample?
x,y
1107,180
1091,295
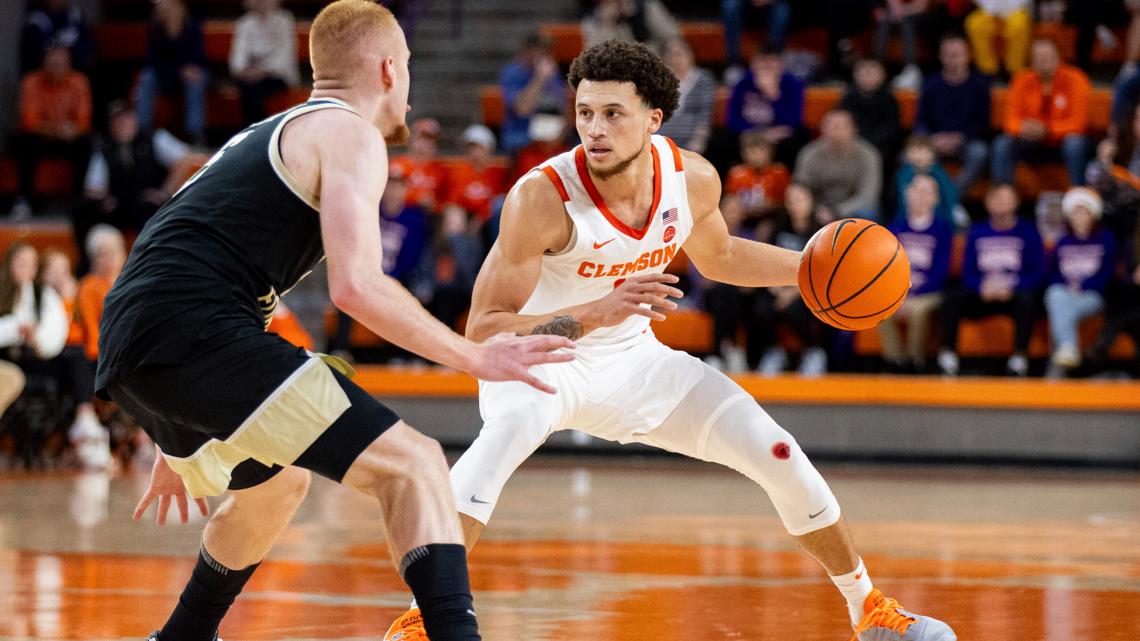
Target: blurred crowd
x,y
978,245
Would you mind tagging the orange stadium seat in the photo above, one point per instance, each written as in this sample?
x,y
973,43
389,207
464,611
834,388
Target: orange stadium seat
x,y
706,39
820,100
993,337
121,41
126,41
42,236
218,36
53,176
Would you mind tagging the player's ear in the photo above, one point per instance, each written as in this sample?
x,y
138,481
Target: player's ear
x,y
388,71
656,118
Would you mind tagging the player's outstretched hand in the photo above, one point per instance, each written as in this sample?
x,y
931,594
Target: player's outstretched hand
x,y
164,484
630,297
507,357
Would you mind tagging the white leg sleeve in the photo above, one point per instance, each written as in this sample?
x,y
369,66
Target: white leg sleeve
x,y
719,422
517,419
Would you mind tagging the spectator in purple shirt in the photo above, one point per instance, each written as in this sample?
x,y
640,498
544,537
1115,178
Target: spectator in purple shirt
x,y
926,239
1080,269
770,100
1001,274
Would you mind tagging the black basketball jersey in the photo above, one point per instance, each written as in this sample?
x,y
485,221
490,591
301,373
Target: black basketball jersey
x,y
237,235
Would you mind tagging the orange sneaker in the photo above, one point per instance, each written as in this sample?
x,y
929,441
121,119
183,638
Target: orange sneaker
x,y
409,627
885,620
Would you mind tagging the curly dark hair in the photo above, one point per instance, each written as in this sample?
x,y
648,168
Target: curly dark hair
x,y
614,60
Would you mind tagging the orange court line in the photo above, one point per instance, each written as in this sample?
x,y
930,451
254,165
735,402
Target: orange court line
x,y
836,389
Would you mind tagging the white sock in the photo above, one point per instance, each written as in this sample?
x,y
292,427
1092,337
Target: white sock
x,y
856,587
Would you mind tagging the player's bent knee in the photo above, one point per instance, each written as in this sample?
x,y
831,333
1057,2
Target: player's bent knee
x,y
282,493
746,439
294,484
400,455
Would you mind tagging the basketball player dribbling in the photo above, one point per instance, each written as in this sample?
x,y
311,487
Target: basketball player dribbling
x,y
584,242
183,348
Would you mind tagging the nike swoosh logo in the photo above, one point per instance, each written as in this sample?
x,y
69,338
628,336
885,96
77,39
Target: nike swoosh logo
x,y
810,516
475,500
858,576
598,245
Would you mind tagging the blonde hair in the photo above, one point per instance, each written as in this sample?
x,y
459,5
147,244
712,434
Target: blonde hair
x,y
340,30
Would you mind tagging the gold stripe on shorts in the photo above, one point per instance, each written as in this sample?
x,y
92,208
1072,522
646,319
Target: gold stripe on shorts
x,y
277,432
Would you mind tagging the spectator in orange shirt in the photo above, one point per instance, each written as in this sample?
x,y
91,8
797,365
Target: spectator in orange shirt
x,y
1046,112
108,252
474,181
55,119
426,177
758,182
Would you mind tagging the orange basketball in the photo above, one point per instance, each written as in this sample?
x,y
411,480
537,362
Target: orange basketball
x,y
853,274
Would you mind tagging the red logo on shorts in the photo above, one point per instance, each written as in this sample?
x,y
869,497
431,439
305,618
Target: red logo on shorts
x,y
670,232
781,451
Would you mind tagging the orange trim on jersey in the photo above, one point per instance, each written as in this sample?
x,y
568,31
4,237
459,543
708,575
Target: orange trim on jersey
x,y
584,174
677,164
557,180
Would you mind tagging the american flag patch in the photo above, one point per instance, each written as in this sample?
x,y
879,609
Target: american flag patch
x,y
669,216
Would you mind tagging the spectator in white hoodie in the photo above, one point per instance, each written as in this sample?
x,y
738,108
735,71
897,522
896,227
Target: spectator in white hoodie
x,y
33,322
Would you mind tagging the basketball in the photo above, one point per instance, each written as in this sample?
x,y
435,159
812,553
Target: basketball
x,y
853,274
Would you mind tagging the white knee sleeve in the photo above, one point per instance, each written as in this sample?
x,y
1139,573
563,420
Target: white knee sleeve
x,y
509,436
746,439
721,423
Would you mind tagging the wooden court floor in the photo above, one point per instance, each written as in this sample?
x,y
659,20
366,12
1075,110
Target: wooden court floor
x,y
611,550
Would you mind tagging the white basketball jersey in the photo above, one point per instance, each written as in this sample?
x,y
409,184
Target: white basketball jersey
x,y
604,251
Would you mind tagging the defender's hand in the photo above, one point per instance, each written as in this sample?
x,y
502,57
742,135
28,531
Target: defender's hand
x,y
627,299
507,357
165,483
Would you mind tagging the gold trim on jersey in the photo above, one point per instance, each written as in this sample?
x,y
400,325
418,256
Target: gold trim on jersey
x,y
278,163
277,432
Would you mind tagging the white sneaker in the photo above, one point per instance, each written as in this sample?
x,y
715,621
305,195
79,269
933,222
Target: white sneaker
x,y
1067,356
948,362
813,363
735,360
909,80
774,361
1018,365
92,443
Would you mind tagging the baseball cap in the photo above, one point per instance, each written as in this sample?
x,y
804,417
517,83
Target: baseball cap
x,y
479,135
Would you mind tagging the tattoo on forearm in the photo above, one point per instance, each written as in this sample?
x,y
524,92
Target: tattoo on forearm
x,y
561,326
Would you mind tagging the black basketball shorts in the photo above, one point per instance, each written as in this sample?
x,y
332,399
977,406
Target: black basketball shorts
x,y
244,405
